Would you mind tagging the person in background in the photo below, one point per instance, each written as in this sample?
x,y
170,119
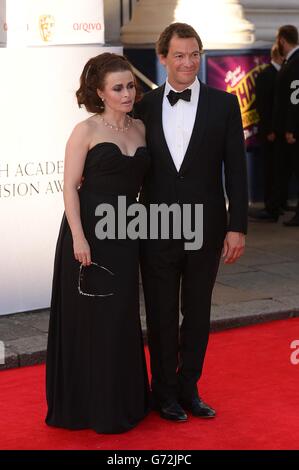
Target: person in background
x,y
285,116
265,89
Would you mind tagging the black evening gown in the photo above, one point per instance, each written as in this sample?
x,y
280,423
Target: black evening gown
x,y
95,370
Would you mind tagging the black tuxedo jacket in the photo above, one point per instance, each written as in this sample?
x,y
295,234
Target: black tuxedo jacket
x,y
285,113
217,139
265,92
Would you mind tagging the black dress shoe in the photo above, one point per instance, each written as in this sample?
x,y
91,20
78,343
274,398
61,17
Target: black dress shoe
x,y
173,411
199,408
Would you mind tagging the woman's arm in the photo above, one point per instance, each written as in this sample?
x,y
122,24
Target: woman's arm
x,y
75,155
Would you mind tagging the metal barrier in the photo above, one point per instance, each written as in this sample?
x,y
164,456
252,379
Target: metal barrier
x,y
143,78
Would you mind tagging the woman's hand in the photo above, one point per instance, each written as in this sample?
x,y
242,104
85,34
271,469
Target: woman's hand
x,y
82,251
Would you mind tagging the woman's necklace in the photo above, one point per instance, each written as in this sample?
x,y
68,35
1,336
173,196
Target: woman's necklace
x,y
116,128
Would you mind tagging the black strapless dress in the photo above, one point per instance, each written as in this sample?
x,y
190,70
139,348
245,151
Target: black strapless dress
x,y
95,370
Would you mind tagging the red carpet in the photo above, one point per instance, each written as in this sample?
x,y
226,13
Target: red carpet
x,y
248,378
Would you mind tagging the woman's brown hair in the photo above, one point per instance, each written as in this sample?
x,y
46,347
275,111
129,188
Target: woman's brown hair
x,y
93,78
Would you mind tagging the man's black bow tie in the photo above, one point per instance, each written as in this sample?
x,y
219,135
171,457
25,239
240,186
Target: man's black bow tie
x,y
174,97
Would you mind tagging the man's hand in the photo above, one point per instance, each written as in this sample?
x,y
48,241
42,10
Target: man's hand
x,y
233,247
290,138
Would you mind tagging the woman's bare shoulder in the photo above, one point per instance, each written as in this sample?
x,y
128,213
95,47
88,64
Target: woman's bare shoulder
x,y
82,133
85,128
88,124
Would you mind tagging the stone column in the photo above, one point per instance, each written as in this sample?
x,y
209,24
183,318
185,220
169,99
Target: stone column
x,y
268,15
220,23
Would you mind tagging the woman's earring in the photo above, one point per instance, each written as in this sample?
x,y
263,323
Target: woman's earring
x,y
102,105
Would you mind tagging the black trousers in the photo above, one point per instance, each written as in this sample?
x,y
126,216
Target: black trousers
x,y
270,166
286,162
177,354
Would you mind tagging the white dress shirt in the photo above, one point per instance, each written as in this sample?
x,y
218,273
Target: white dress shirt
x,y
276,65
178,122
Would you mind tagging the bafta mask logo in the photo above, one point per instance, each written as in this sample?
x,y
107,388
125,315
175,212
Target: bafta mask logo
x,y
46,27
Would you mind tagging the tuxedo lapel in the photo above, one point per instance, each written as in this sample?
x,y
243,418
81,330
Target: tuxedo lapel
x,y
198,128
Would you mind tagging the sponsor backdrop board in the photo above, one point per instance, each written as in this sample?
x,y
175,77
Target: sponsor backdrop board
x,y
51,22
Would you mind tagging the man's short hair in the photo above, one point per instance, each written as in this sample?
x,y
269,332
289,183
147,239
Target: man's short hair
x,y
289,33
181,30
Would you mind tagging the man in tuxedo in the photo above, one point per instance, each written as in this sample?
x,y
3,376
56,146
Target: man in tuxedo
x,y
264,90
191,131
285,115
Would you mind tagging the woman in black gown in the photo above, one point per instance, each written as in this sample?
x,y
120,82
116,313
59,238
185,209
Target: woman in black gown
x,y
95,372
